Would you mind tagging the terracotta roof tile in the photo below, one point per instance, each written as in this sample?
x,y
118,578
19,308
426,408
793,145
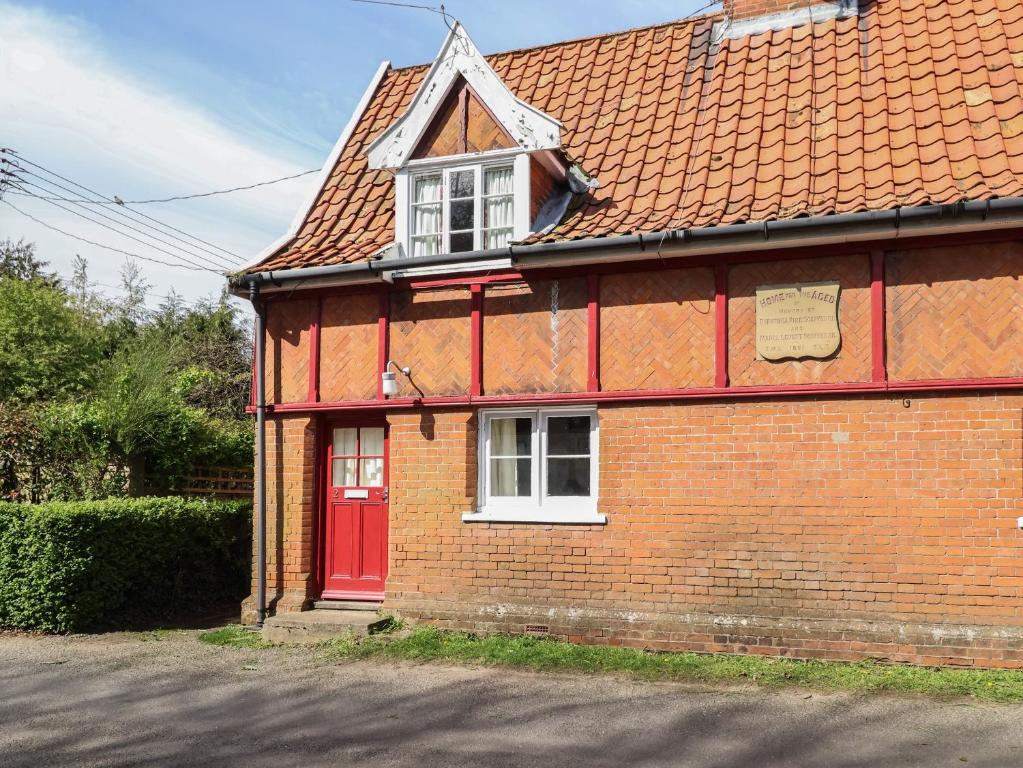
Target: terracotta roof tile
x,y
916,101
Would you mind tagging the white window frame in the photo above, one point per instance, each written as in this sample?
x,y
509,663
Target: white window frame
x,y
538,507
405,185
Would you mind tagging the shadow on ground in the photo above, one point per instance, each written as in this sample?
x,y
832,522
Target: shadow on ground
x,y
185,704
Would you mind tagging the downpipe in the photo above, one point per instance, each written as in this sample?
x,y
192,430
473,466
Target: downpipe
x,y
260,311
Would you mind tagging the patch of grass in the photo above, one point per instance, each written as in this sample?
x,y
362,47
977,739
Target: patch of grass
x,y
234,637
387,625
426,644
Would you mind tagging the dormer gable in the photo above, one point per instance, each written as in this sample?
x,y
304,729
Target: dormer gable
x,y
459,60
463,125
466,155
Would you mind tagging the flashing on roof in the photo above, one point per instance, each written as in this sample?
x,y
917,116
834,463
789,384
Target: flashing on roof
x,y
811,14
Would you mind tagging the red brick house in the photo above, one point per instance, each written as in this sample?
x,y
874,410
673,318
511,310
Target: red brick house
x,y
705,335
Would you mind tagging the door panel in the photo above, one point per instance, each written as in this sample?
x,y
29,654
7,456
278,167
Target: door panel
x,y
373,556
355,542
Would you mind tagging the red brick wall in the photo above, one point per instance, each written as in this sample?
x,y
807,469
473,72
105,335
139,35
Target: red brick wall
x,y
349,339
851,363
955,312
287,350
750,9
430,333
290,516
844,527
534,337
657,329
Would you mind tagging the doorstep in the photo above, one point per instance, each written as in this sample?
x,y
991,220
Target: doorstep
x,y
318,625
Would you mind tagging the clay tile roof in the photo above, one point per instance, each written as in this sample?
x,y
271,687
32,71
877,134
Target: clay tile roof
x,y
914,102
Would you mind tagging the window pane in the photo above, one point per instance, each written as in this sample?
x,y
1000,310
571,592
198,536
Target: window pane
x,y
461,241
344,442
462,183
568,477
372,441
497,212
462,214
568,436
371,472
510,477
427,189
497,181
427,245
496,238
426,219
511,436
343,472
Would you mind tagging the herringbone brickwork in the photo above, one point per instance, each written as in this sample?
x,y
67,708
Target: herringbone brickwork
x,y
287,350
844,527
851,363
657,329
535,337
430,332
349,339
955,312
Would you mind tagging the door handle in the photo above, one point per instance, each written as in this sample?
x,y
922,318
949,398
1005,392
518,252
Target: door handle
x,y
387,493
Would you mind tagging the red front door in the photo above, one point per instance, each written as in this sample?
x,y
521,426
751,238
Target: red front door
x,y
355,551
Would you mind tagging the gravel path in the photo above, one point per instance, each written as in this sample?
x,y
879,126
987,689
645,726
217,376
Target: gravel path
x,y
121,699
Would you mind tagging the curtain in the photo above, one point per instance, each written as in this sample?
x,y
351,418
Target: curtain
x,y
504,473
499,206
426,213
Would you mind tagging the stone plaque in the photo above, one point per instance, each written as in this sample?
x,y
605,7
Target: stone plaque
x,y
797,321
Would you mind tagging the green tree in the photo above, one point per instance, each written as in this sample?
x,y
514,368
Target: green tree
x,y
18,260
47,349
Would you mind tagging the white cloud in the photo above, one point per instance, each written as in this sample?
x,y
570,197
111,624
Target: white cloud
x,y
67,105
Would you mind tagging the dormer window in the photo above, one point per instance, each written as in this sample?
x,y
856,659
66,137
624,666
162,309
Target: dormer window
x,y
473,165
463,208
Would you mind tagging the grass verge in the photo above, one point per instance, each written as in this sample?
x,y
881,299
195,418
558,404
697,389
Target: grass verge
x,y
426,644
234,637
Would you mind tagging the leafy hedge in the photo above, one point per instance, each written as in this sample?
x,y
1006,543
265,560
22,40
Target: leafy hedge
x,y
68,566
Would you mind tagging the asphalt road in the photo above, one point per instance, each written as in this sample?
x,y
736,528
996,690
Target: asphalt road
x,y
120,700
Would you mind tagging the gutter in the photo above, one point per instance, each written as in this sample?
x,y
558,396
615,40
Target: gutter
x,y
914,221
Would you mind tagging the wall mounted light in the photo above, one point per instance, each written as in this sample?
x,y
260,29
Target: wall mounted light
x,y
389,380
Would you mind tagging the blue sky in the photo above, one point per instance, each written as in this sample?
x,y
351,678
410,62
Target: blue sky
x,y
152,99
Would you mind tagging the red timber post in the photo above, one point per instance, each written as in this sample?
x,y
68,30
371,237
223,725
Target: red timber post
x,y
877,317
314,352
476,354
721,324
593,324
383,340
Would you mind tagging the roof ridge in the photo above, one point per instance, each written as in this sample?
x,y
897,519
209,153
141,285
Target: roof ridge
x,y
684,21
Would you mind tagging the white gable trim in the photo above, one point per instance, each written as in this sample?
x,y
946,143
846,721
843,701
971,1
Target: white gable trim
x,y
328,166
530,128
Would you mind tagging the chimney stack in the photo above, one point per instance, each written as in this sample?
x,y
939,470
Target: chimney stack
x,y
740,10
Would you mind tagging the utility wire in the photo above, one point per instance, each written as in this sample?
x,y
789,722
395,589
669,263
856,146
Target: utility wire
x,y
93,242
49,197
19,159
183,261
118,201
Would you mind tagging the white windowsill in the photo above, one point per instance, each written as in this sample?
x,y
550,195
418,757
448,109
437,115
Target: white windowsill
x,y
534,516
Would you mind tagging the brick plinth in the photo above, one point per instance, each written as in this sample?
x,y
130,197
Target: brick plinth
x,y
849,527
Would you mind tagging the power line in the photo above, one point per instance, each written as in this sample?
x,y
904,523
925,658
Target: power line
x,y
18,157
118,201
50,199
186,261
93,242
430,8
